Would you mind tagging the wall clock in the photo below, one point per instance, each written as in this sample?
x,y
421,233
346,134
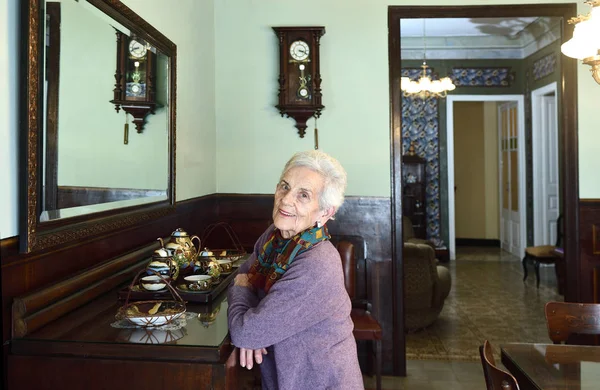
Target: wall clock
x,y
135,78
299,75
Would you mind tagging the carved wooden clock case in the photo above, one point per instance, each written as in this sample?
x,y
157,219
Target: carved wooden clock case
x,y
299,74
135,79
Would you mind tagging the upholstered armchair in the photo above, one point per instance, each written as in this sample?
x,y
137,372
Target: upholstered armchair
x,y
426,286
409,233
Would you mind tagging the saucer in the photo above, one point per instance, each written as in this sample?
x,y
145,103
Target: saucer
x,y
137,288
185,289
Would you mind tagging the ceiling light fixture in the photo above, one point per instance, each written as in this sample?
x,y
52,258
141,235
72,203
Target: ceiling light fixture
x,y
585,44
426,87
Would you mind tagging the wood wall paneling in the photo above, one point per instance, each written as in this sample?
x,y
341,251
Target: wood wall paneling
x,y
25,273
115,374
249,215
589,249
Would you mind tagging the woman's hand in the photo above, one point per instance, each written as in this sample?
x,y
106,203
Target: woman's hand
x,y
249,356
242,280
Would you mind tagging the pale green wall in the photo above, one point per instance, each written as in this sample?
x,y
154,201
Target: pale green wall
x,y
253,140
190,25
90,130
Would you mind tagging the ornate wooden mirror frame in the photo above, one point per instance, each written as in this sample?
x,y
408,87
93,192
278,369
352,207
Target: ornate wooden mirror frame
x,y
34,234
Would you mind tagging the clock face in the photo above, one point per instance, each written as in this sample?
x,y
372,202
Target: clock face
x,y
137,49
299,50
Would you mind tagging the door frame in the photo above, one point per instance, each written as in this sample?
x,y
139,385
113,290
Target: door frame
x,y
569,146
536,138
450,99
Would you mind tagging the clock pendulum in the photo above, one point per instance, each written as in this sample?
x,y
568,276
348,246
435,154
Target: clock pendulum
x,y
316,134
303,85
126,130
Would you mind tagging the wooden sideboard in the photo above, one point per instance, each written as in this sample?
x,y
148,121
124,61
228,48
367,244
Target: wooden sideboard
x,y
83,350
68,332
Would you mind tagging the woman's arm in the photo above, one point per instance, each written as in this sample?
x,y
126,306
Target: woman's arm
x,y
305,295
246,297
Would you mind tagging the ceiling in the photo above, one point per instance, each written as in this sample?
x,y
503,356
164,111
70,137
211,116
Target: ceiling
x,y
464,27
477,38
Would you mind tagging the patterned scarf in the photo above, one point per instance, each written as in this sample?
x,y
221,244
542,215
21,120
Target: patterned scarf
x,y
278,254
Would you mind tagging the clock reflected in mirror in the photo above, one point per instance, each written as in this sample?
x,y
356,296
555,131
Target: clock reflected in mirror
x,y
135,78
137,49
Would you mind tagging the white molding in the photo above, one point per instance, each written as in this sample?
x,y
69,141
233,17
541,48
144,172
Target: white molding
x,y
536,137
450,99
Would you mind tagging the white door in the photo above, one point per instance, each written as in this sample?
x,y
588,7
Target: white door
x,y
546,196
549,146
510,215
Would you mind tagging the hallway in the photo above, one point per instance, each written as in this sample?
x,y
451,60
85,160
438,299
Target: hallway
x,y
488,300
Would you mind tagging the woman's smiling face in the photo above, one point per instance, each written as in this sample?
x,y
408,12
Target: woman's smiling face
x,y
296,205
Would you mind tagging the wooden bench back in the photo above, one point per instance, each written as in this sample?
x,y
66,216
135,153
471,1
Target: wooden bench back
x,y
34,310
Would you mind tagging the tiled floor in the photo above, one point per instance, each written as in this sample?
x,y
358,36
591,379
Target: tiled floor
x,y
434,375
489,301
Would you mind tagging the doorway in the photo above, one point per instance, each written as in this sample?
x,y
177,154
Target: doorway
x,y
570,160
515,222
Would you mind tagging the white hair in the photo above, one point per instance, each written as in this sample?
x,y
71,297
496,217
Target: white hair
x,y
329,168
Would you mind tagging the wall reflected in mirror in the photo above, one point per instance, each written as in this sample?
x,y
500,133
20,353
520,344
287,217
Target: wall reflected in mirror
x,y
93,157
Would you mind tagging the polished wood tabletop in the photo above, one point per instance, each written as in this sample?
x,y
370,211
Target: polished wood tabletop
x,y
88,331
550,366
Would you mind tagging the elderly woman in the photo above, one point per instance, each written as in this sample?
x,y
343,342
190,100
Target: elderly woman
x,y
288,308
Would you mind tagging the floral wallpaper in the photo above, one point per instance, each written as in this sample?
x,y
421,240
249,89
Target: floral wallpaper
x,y
420,125
482,77
544,66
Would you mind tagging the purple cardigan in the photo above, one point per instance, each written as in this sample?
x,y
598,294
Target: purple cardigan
x,y
304,322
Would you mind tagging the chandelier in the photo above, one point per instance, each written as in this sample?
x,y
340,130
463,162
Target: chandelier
x,y
426,87
585,44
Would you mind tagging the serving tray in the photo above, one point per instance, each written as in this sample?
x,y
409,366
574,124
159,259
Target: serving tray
x,y
136,294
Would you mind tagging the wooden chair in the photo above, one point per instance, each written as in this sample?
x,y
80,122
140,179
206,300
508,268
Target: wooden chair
x,y
495,378
566,318
366,327
543,254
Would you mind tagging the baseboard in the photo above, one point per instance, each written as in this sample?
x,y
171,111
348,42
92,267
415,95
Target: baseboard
x,y
477,242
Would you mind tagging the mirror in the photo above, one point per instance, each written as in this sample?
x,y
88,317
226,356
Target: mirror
x,y
99,136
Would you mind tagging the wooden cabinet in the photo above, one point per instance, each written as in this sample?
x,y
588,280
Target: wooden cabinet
x,y
413,193
67,335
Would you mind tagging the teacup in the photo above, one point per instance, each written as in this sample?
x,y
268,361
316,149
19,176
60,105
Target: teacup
x,y
198,282
225,265
153,283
